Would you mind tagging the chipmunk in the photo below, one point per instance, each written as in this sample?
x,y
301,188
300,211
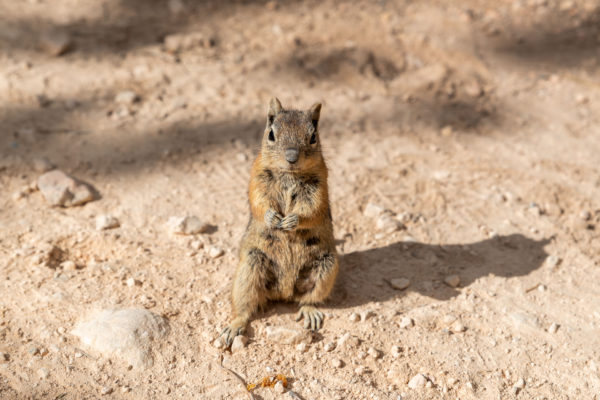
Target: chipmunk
x,y
288,251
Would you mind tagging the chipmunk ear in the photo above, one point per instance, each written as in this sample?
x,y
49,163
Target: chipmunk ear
x,y
315,113
275,108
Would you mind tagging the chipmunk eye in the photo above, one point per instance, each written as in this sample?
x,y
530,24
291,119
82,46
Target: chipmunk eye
x,y
271,136
313,138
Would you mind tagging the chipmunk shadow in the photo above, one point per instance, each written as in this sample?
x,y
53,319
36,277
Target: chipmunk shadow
x,y
364,275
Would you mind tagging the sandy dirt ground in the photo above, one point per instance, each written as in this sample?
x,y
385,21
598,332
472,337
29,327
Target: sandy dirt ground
x,y
472,123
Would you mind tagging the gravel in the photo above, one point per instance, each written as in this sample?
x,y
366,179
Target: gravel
x,y
400,283
189,225
418,381
285,335
239,343
337,363
452,280
104,222
60,189
406,322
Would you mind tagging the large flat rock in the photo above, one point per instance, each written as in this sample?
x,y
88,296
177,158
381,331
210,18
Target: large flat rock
x,y
129,334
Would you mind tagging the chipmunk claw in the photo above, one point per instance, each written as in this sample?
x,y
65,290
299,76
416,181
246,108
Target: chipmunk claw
x,y
231,331
289,222
313,318
272,218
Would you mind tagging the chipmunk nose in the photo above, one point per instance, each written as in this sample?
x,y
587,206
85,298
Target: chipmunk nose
x,y
291,155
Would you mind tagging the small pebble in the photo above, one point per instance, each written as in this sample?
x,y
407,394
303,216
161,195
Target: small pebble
x,y
406,322
354,317
104,222
360,370
56,43
3,357
105,390
215,252
446,131
365,315
396,351
580,98
553,261
520,383
196,245
457,327
239,343
553,328
329,346
418,381
279,388
400,283
337,363
126,97
347,341
373,210
68,266
301,347
452,280
33,351
219,343
374,352
585,215
43,373
42,164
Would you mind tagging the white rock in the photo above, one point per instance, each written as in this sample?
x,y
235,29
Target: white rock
x,y
406,322
279,388
452,280
329,346
106,222
239,343
337,363
215,252
301,347
285,335
396,351
400,283
43,373
68,266
553,328
520,384
373,210
522,319
347,341
418,381
130,282
457,327
553,261
365,315
388,224
42,164
354,317
360,370
219,343
189,225
105,390
129,334
126,97
373,352
60,189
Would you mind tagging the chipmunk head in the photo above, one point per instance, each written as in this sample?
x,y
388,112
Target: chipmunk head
x,y
291,139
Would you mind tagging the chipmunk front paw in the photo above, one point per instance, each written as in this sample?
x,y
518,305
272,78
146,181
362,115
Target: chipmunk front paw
x,y
289,222
313,318
237,327
272,218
